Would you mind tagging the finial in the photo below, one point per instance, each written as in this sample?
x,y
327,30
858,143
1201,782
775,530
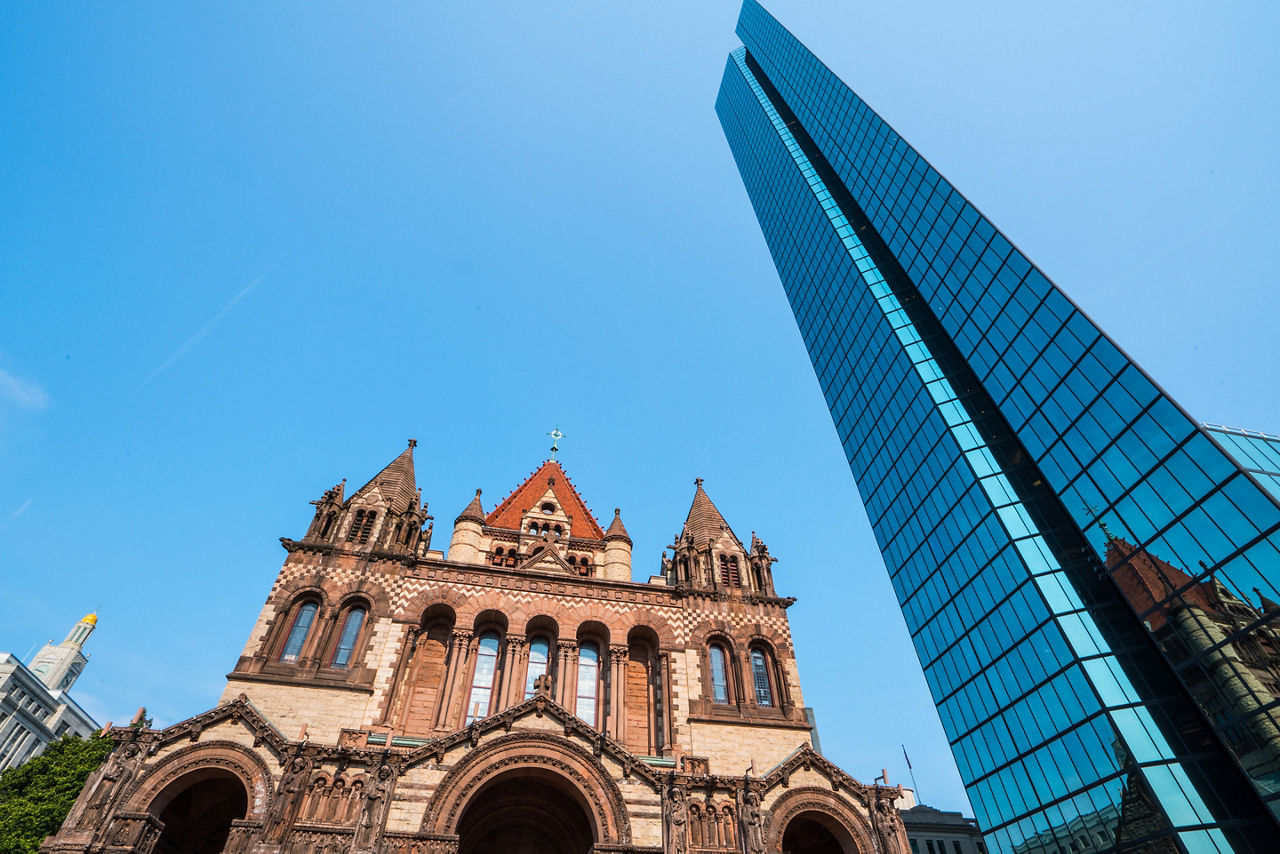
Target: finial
x,y
477,492
617,511
556,436
697,481
413,443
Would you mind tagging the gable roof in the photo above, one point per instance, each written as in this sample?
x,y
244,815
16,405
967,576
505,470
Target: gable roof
x,y
396,482
581,521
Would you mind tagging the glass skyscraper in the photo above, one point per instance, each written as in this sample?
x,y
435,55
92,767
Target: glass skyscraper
x,y
1089,576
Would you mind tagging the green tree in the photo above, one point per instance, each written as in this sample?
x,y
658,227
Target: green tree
x,y
36,796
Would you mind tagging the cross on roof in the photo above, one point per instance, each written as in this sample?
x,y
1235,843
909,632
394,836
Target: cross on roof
x,y
556,436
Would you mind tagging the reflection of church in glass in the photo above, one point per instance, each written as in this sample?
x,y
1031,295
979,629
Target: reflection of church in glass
x,y
1226,648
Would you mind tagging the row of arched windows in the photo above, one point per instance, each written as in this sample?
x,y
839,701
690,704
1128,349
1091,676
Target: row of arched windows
x,y
511,557
484,676
540,528
765,679
340,652
449,677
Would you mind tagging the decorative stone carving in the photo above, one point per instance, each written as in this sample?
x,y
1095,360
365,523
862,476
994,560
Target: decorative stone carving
x,y
288,799
373,810
677,820
753,823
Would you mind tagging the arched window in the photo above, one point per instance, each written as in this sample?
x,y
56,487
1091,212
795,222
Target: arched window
x,y
482,682
719,674
760,676
588,673
302,621
351,626
539,652
497,558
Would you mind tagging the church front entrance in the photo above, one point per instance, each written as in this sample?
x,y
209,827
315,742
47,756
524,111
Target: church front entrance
x,y
197,811
816,833
529,811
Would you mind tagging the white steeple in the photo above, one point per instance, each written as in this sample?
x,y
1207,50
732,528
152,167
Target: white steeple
x,y
59,665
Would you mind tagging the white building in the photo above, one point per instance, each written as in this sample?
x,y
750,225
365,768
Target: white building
x,y
35,707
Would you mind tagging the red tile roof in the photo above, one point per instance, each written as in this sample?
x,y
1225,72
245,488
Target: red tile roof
x,y
581,522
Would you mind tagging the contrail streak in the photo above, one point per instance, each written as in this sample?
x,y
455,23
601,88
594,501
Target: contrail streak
x,y
204,330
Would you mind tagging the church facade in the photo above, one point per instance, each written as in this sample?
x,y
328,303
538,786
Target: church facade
x,y
519,694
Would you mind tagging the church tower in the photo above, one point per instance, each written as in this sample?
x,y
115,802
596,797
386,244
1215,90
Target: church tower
x,y
60,665
521,692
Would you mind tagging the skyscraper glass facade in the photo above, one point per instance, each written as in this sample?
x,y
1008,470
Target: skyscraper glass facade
x,y
1089,576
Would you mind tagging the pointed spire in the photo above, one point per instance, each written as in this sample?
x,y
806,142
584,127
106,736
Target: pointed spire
x,y
617,530
396,482
474,511
1268,606
704,521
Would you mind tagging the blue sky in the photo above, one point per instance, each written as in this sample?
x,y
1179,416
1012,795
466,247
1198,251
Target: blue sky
x,y
248,250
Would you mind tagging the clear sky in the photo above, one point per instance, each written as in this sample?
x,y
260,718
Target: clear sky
x,y
249,249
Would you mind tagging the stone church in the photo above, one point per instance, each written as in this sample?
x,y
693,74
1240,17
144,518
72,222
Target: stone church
x,y
518,694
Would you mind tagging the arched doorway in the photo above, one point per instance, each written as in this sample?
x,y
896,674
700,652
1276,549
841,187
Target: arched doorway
x,y
197,810
816,832
529,811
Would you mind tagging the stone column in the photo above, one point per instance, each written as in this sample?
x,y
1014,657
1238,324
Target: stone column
x,y
459,656
668,707
615,724
651,697
513,672
563,648
401,680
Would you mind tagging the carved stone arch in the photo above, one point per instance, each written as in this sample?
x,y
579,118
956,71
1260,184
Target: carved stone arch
x,y
776,643
595,613
371,591
288,591
655,622
417,605
705,630
474,606
242,762
597,792
825,803
542,622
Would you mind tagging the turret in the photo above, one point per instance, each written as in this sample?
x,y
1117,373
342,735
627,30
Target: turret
x,y
707,555
467,543
617,550
386,514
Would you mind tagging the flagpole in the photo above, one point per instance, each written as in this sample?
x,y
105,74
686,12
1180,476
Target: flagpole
x,y
912,772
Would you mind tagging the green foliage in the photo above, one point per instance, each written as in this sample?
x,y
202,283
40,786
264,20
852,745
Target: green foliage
x,y
36,796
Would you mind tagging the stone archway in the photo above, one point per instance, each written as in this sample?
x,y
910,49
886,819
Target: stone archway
x,y
816,833
527,811
812,820
198,791
197,810
527,775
